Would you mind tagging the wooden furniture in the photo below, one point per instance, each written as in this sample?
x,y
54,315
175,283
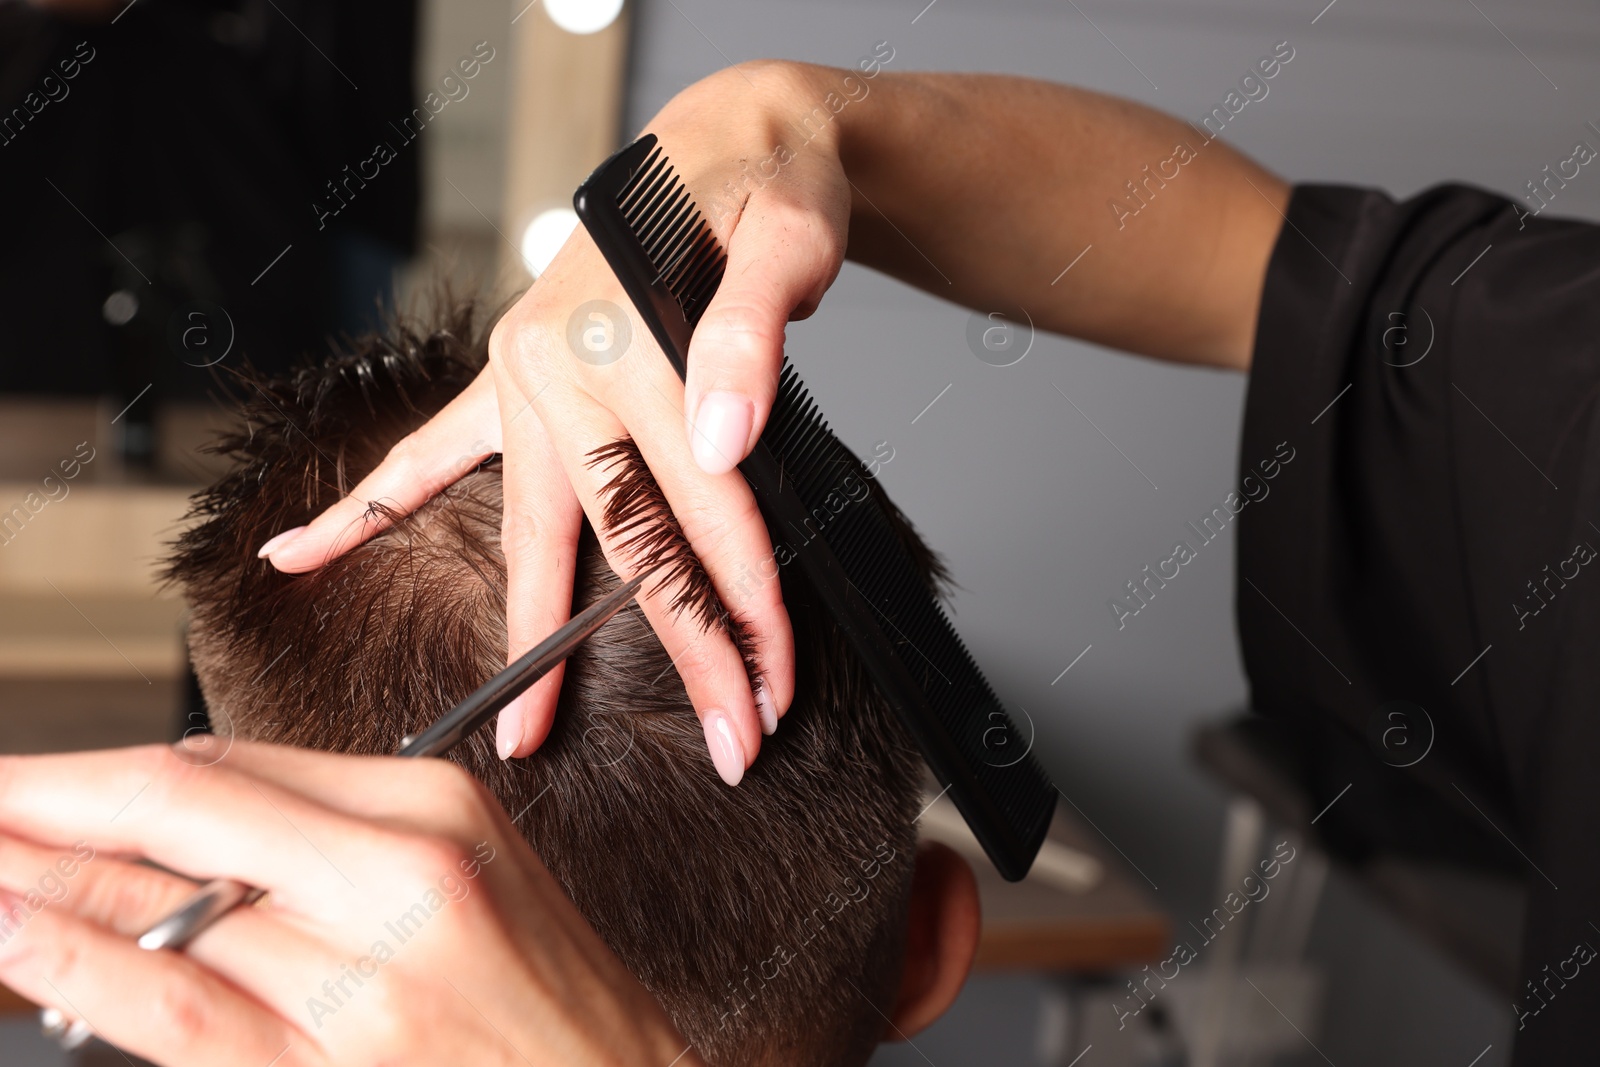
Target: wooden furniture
x,y
1039,925
1082,918
91,648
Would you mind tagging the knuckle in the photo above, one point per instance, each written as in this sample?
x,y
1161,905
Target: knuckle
x,y
736,327
64,964
756,67
124,899
179,1009
827,242
461,808
389,1029
702,658
796,218
461,910
520,337
451,787
763,599
520,534
788,214
524,350
462,789
813,240
427,858
502,337
170,775
704,526
746,514
405,458
497,332
709,523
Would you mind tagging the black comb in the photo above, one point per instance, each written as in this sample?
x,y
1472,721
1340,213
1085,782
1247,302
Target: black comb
x,y
670,264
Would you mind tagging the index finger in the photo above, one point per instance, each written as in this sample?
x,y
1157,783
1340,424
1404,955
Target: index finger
x,y
541,521
465,432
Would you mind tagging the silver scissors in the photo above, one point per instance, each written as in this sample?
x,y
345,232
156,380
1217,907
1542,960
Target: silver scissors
x,y
217,898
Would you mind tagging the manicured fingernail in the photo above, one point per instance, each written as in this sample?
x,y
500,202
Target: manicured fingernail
x,y
721,430
508,730
726,751
280,541
767,710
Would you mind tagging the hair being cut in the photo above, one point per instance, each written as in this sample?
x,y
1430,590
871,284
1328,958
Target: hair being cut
x,y
767,919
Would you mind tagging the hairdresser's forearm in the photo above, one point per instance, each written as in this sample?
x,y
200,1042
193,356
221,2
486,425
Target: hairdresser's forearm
x,y
983,189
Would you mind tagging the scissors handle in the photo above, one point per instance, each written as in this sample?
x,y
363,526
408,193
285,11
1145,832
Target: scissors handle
x,y
217,898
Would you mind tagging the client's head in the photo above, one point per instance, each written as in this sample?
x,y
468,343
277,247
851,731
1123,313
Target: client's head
x,y
791,919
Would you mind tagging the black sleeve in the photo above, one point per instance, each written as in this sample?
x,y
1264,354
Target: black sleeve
x,y
1433,365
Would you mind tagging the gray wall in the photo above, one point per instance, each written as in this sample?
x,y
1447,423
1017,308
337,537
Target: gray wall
x,y
1040,516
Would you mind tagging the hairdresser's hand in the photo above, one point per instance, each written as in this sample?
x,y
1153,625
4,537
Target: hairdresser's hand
x,y
547,403
407,921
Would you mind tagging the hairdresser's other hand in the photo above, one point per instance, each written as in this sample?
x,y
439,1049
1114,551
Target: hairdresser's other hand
x,y
549,399
407,921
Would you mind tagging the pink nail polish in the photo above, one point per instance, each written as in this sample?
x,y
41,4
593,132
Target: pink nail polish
x,y
767,710
508,730
726,752
279,542
721,431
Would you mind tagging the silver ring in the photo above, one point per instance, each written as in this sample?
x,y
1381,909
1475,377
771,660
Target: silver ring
x,y
202,908
70,1034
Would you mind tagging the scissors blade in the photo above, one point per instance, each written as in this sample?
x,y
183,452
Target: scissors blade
x,y
455,725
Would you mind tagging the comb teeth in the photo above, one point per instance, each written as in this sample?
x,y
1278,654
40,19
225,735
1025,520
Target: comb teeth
x,y
872,556
670,263
678,242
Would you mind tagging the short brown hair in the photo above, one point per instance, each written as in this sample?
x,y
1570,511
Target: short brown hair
x,y
767,919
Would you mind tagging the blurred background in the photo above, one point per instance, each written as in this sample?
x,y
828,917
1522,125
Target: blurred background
x,y
188,183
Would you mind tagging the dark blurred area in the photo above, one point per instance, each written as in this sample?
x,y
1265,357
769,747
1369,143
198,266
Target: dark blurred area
x,y
182,189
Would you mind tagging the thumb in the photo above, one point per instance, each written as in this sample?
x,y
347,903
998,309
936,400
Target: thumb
x,y
781,259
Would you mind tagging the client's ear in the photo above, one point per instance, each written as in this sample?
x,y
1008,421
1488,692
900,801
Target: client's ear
x,y
941,939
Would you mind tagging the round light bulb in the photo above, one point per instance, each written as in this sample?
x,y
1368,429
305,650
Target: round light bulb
x,y
583,16
544,237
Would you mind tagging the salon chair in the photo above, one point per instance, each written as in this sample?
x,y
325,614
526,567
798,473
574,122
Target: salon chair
x,y
1433,861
